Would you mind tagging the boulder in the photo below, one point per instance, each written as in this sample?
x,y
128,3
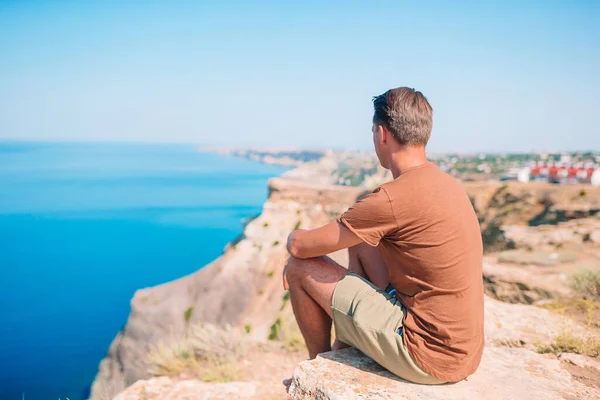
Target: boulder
x,y
504,373
520,325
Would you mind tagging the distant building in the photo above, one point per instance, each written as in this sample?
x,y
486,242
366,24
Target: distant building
x,y
595,179
524,175
560,173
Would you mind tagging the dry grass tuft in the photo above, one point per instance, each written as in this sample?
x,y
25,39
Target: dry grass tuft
x,y
567,342
293,339
586,283
585,286
589,308
205,351
286,331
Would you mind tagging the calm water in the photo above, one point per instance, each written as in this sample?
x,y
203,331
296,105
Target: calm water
x,y
82,226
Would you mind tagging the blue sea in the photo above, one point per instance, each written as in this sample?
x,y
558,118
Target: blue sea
x,y
82,226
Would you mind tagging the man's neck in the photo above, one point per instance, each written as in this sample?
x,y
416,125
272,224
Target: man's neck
x,y
406,158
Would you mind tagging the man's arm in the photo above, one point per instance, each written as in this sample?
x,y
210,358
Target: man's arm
x,y
334,236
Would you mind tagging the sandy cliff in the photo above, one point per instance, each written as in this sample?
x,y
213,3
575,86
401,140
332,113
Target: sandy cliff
x,y
242,287
511,369
534,204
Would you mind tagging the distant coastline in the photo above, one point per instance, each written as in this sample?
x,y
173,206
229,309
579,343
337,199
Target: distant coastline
x,y
279,156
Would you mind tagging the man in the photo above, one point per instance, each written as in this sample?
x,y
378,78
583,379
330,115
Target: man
x,y
412,297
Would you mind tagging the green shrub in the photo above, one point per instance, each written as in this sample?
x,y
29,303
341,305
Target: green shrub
x,y
188,313
276,243
275,329
286,298
266,224
248,328
297,226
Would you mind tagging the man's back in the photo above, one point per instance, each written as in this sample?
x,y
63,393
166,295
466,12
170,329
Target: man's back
x,y
432,244
427,243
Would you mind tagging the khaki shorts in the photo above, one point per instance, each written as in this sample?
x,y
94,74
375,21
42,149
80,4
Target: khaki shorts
x,y
371,320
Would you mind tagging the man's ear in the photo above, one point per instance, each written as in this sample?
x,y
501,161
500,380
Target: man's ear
x,y
383,133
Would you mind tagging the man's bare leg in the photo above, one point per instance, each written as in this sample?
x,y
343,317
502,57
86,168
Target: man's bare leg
x,y
366,261
311,283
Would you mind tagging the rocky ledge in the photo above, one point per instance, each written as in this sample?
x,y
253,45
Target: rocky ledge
x,y
504,373
163,387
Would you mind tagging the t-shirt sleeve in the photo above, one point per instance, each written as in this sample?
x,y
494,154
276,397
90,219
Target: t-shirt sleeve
x,y
370,218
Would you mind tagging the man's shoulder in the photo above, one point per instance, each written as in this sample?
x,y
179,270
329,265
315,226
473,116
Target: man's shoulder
x,y
424,182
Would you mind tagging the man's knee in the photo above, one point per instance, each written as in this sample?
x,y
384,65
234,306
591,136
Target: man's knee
x,y
319,269
289,265
290,272
297,268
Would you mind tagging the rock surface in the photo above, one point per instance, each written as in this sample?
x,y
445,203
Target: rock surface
x,y
535,203
168,388
520,325
504,373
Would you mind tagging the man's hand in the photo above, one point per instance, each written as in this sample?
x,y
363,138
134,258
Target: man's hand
x,y
303,243
290,240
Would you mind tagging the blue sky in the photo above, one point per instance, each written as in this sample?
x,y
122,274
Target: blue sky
x,y
506,76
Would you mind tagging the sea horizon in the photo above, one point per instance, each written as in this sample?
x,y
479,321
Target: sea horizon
x,y
206,148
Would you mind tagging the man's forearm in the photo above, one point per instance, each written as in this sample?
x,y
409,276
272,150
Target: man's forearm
x,y
304,243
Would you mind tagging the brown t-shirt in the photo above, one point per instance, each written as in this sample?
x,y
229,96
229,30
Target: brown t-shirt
x,y
429,236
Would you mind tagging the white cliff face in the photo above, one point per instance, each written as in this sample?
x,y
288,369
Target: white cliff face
x,y
241,288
